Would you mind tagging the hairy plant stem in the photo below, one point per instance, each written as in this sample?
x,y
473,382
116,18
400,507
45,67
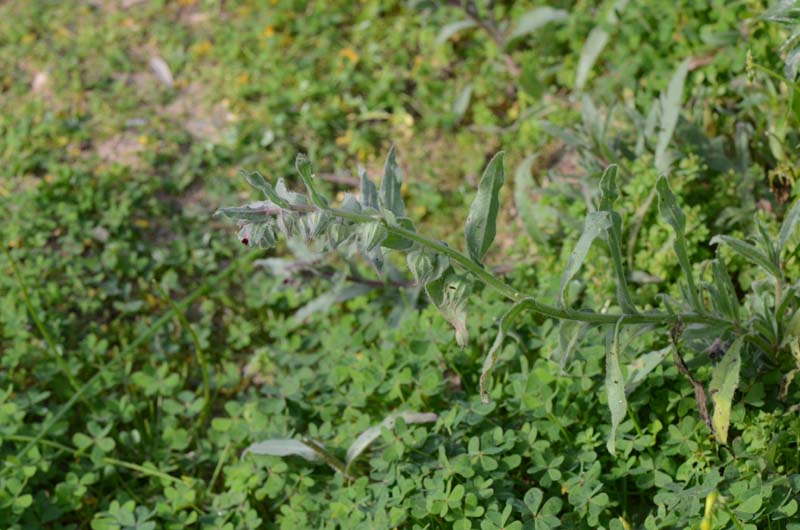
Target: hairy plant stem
x,y
487,278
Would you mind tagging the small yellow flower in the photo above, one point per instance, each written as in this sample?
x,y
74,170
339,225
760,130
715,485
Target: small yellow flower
x,y
268,32
202,48
243,78
141,223
350,54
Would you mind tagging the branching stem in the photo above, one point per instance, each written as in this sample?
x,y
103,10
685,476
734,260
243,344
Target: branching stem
x,y
487,278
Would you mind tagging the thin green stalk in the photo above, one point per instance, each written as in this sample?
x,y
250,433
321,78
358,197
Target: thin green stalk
x,y
487,278
218,468
106,459
51,344
149,332
198,348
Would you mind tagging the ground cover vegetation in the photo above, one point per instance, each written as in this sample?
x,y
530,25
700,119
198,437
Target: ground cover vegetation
x,y
506,264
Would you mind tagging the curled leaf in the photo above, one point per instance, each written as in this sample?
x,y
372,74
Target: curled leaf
x,y
282,447
481,221
724,381
365,439
306,171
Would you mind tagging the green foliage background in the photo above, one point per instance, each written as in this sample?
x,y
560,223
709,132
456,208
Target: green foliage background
x,y
109,177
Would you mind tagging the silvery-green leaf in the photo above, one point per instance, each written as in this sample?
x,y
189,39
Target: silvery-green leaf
x,y
749,252
282,447
449,30
258,181
724,381
426,266
670,111
724,298
595,42
481,221
306,171
398,242
615,388
365,439
461,104
350,204
595,225
369,193
788,226
489,360
244,213
674,216
613,236
534,19
450,294
390,194
640,368
295,199
570,335
372,235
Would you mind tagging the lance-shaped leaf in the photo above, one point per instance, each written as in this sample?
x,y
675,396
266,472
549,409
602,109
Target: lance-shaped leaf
x,y
639,369
570,335
788,226
449,294
674,216
613,236
749,252
534,19
254,212
369,193
258,181
724,380
595,42
615,388
724,295
481,221
282,447
390,195
449,30
306,171
595,225
365,439
488,362
670,111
